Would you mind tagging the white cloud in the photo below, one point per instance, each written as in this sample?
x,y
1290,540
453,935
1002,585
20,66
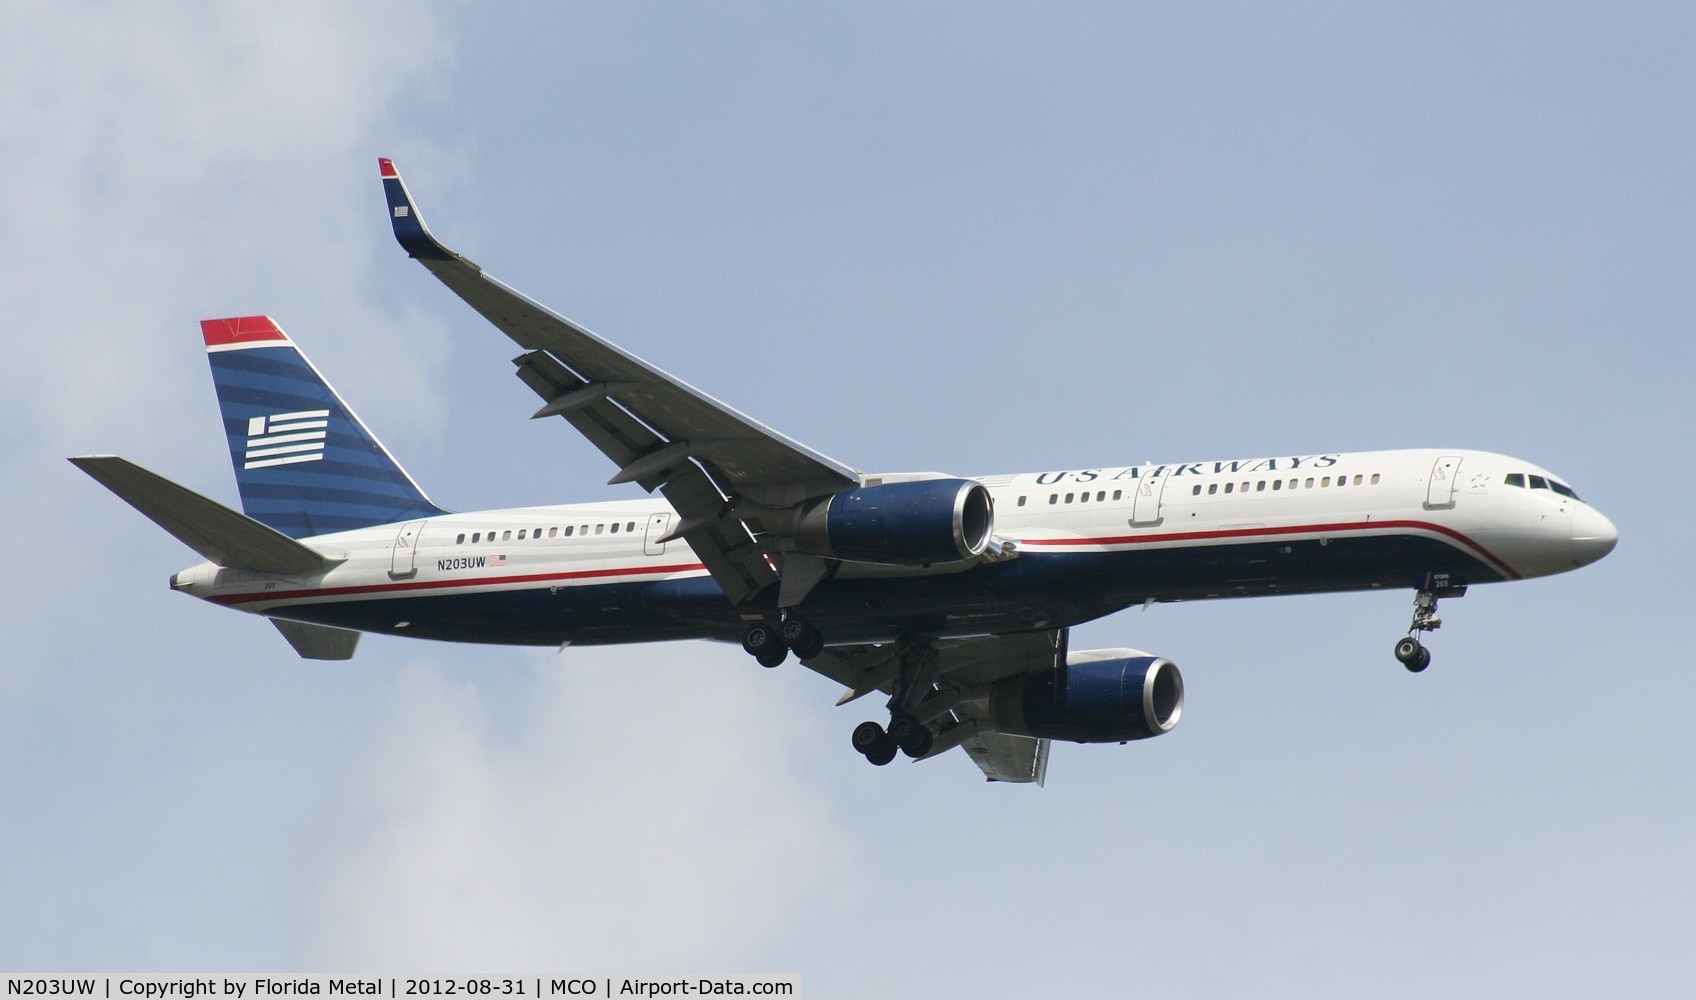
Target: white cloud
x,y
645,810
162,163
167,162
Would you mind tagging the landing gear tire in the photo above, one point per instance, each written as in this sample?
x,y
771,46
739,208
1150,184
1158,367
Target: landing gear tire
x,y
873,743
912,736
801,637
1412,655
765,645
920,744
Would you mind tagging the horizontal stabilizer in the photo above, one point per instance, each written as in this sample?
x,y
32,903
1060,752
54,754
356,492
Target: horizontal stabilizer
x,y
206,526
318,642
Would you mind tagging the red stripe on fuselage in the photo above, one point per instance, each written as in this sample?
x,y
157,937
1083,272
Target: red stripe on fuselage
x,y
485,581
1293,529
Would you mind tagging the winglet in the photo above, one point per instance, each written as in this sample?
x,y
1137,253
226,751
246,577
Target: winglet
x,y
410,231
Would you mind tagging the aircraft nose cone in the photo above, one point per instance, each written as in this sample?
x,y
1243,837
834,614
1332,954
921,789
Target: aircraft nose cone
x,y
1593,536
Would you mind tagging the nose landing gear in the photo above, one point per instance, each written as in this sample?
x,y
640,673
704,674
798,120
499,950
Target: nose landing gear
x,y
1414,656
1409,650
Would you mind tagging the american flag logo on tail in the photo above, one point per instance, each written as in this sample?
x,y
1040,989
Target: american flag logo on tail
x,y
285,438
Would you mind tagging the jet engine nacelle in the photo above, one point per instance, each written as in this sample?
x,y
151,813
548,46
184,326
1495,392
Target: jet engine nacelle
x,y
911,524
1099,696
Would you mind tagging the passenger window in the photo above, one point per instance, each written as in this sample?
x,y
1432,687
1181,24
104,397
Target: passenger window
x,y
1325,482
1374,479
615,527
1212,488
552,532
521,534
630,526
1260,487
600,528
476,536
1083,498
1069,497
1357,480
568,531
1514,479
1539,483
1310,482
1100,496
1229,487
1021,501
1117,494
1053,498
1277,484
1195,491
506,536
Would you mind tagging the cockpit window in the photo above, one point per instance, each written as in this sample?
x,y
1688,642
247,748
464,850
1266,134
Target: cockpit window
x,y
1540,483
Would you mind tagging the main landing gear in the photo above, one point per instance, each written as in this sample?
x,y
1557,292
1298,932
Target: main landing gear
x,y
905,733
771,644
1409,650
910,702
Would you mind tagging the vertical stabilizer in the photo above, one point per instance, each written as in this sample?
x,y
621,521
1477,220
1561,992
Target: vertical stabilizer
x,y
305,463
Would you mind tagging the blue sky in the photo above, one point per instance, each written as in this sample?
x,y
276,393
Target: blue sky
x,y
980,238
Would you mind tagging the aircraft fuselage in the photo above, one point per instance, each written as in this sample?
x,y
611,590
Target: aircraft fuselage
x,y
1089,542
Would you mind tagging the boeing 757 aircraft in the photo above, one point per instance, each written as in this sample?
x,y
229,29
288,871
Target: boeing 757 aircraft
x,y
951,596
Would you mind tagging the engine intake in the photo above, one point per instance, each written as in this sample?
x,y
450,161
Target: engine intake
x,y
1099,696
909,524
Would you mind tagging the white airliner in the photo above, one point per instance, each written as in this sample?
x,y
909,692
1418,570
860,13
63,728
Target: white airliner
x,y
950,595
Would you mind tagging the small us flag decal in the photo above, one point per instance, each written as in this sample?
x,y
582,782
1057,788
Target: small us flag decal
x,y
285,438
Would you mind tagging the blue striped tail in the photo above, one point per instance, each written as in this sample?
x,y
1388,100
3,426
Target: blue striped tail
x,y
305,463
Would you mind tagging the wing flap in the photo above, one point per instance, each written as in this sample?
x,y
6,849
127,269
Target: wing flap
x,y
718,537
1004,757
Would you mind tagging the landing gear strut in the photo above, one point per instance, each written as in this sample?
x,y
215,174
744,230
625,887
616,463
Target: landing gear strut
x,y
1413,654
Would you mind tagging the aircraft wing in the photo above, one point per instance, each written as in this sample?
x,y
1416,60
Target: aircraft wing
x,y
960,672
721,470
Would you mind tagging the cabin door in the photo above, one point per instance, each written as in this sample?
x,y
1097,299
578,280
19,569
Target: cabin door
x,y
403,562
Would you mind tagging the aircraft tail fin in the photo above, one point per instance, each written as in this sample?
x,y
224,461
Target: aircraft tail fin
x,y
206,526
305,463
